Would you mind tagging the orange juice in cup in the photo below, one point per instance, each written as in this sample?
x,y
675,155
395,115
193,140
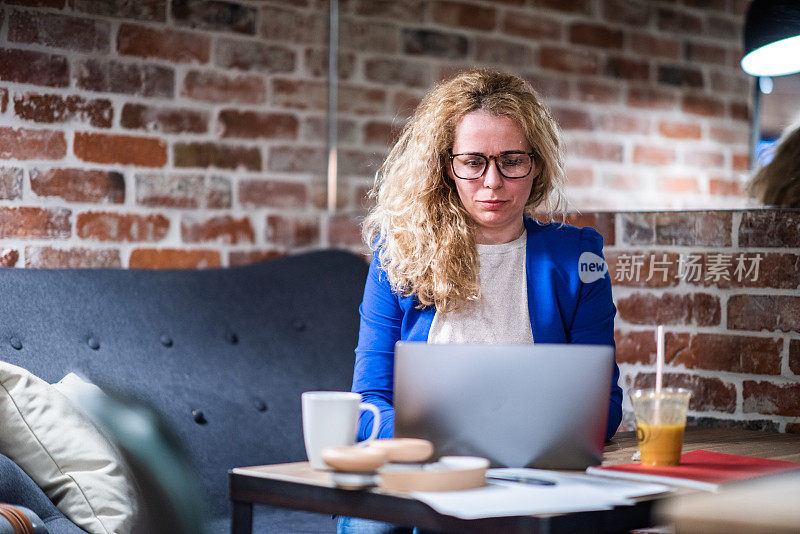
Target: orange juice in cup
x,y
660,423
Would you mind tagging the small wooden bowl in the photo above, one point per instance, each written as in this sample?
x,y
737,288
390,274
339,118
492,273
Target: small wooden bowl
x,y
404,450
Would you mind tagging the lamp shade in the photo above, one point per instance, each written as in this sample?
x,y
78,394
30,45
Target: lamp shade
x,y
772,38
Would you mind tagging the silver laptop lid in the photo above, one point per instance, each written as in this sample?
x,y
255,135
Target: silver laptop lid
x,y
541,405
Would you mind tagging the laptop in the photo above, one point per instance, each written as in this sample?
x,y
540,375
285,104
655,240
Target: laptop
x,y
541,405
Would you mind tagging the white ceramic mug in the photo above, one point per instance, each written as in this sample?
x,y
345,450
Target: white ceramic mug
x,y
330,419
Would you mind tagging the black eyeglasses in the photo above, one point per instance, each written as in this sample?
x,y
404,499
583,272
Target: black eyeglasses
x,y
511,165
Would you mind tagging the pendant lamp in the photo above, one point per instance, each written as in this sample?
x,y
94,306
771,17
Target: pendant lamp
x,y
772,38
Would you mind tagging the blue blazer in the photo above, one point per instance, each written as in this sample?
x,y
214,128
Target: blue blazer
x,y
562,309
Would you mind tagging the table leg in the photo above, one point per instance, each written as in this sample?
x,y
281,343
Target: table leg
x,y
242,521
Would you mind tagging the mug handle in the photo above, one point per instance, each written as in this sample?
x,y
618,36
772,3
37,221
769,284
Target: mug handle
x,y
376,422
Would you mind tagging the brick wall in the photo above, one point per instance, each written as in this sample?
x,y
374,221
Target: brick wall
x,y
726,285
182,133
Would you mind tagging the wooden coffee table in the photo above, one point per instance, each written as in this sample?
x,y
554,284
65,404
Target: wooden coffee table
x,y
297,486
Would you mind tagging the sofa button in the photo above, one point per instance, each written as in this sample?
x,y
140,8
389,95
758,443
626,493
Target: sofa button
x,y
299,325
260,405
166,341
93,343
15,343
232,338
199,417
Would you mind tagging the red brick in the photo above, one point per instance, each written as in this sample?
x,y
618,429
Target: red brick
x,y
621,181
120,149
406,10
344,230
226,17
24,143
651,46
25,66
640,346
8,257
462,15
272,193
404,104
721,28
204,155
11,183
125,78
769,228
741,162
687,309
384,38
703,105
705,229
764,312
729,136
679,22
397,72
59,31
298,159
219,88
794,356
653,155
569,60
292,231
735,354
724,187
248,257
295,26
164,120
580,177
598,92
359,163
534,27
793,428
107,226
3,100
597,150
549,86
381,133
143,258
771,398
56,4
569,6
254,55
708,394
171,45
779,271
624,123
503,52
315,62
183,191
223,229
678,184
361,100
79,185
603,222
573,119
680,76
56,108
35,223
739,111
632,268
595,35
679,130
418,42
151,10
704,158
316,129
299,94
255,125
628,13
704,53
651,98
72,258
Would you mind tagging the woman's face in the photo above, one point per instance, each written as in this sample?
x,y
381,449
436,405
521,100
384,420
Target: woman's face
x,y
494,203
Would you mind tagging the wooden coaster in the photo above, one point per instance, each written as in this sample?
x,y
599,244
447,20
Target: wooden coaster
x,y
451,473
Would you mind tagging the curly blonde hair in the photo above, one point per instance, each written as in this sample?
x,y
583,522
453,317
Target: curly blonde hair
x,y
778,182
424,236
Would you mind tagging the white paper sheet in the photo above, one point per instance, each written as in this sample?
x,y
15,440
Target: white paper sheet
x,y
572,493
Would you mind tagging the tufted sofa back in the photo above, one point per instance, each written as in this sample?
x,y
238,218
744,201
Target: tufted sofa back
x,y
223,354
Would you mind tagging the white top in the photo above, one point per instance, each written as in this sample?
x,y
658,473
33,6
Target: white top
x,y
500,315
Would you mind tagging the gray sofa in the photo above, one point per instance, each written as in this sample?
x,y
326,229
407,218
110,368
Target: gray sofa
x,y
222,354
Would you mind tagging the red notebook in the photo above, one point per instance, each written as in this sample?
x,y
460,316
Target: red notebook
x,y
699,469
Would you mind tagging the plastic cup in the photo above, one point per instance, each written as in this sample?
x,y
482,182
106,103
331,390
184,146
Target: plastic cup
x,y
660,423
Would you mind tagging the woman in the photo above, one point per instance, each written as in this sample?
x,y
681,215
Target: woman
x,y
455,259
778,182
